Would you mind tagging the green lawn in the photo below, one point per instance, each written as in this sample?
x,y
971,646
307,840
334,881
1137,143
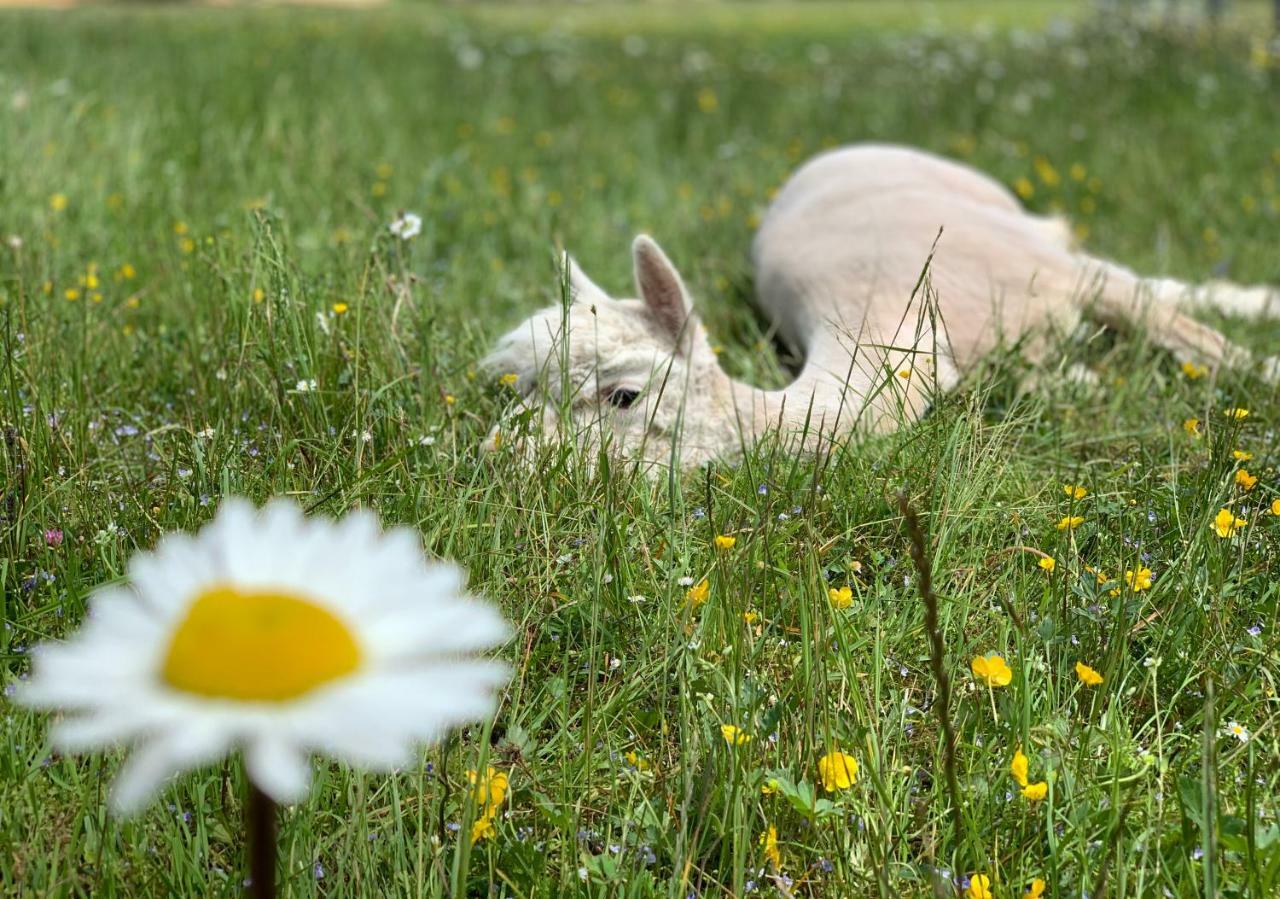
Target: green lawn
x,y
186,195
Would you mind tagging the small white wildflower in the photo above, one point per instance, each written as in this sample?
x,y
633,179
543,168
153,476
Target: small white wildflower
x,y
469,57
685,582
635,598
362,436
607,579
426,440
1237,730
406,226
306,385
207,433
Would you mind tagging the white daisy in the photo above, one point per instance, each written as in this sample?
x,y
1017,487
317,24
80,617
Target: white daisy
x,y
278,635
1237,730
406,226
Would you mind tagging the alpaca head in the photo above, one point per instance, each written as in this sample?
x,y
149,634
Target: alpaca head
x,y
636,376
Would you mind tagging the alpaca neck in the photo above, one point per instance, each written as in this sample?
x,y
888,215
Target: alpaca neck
x,y
830,396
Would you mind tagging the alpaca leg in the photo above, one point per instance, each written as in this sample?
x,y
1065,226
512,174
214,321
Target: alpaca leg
x,y
1125,303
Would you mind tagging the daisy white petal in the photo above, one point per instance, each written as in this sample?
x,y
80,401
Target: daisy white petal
x,y
280,769
155,762
86,732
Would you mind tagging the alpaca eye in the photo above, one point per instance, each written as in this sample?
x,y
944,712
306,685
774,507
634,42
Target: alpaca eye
x,y
623,397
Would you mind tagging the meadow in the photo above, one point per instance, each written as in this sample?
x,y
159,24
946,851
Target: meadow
x,y
200,296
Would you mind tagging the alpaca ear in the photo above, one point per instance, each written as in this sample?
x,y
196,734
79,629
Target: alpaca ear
x,y
662,291
581,288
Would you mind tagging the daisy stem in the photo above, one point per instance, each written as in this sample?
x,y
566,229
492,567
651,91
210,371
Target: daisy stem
x,y
260,818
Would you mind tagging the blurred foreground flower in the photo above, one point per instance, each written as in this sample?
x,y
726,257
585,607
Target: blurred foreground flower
x,y
277,635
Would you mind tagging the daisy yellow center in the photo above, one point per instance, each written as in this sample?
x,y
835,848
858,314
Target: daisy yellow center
x,y
262,645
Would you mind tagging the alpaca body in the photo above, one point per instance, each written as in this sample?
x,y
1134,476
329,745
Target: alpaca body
x,y
839,262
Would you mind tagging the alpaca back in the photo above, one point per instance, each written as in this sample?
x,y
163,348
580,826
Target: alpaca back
x,y
842,248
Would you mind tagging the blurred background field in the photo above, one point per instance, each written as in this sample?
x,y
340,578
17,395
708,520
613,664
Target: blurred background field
x,y
199,295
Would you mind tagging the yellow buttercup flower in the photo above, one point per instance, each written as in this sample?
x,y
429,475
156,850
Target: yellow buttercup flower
x,y
769,787
992,670
1139,580
490,791
1073,492
1018,768
838,771
1035,891
1275,507
1046,171
1036,791
509,379
697,594
1102,576
1070,522
979,887
1192,426
1226,524
58,202
1048,563
750,617
841,598
1245,480
1237,413
637,761
1241,455
1087,675
734,735
724,541
482,829
1193,371
340,308
769,840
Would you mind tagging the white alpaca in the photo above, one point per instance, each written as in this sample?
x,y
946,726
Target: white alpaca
x,y
838,263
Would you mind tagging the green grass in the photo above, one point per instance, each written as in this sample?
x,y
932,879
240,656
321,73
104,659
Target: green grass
x,y
280,143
